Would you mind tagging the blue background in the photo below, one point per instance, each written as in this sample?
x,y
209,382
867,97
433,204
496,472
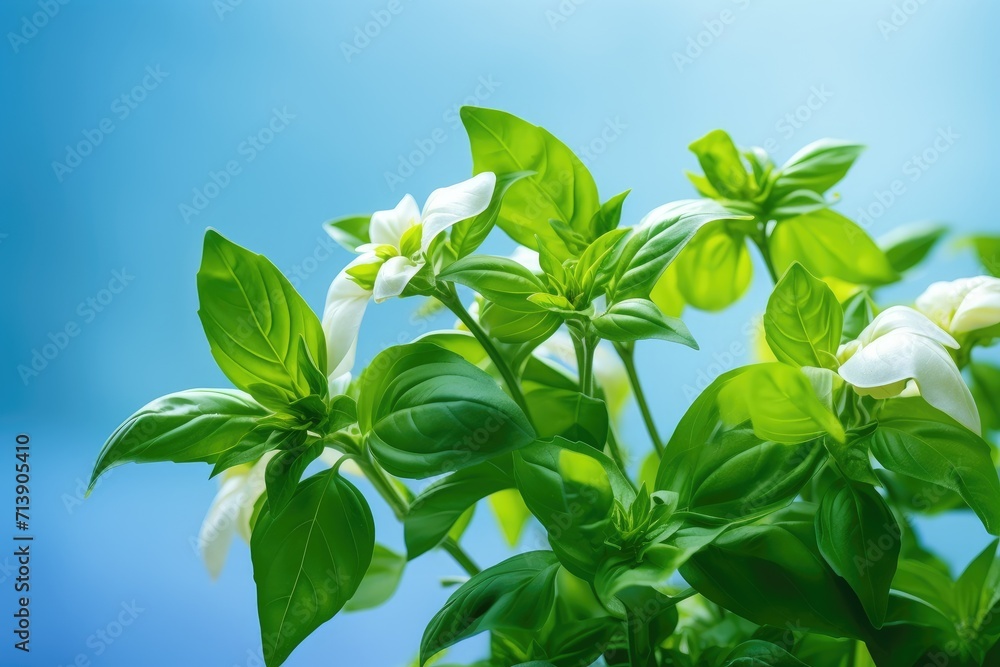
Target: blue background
x,y
356,116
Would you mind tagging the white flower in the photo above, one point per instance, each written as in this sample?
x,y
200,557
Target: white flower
x,y
230,512
901,353
399,241
964,305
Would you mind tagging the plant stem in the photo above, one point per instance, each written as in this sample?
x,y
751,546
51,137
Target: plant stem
x,y
400,505
627,354
765,252
450,299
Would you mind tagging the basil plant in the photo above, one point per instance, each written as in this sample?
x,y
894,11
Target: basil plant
x,y
772,527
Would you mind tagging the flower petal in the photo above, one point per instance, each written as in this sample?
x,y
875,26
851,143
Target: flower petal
x,y
980,308
345,307
901,319
219,525
393,276
883,368
388,227
446,206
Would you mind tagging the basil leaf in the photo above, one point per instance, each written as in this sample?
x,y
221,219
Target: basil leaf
x,y
908,245
803,321
714,270
561,188
501,280
427,411
608,217
640,319
516,594
569,414
988,251
829,245
198,425
986,390
467,235
253,318
512,326
285,468
380,581
439,507
943,454
756,653
860,539
350,232
309,560
723,165
816,167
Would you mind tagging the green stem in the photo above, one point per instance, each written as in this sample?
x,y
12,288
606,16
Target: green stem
x,y
627,354
585,344
400,505
761,242
449,298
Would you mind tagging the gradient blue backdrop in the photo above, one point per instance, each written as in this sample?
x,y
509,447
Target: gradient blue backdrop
x,y
603,76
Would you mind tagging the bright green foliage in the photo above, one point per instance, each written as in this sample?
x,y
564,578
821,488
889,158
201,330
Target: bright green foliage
x,y
772,528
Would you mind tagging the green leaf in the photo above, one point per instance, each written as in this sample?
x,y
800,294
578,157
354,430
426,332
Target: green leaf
x,y
859,538
569,414
714,270
501,280
516,594
943,454
561,188
773,572
511,326
797,202
438,507
570,488
803,321
731,474
426,411
467,235
380,581
907,246
829,245
254,318
723,165
350,232
308,560
199,425
511,513
859,311
986,390
608,217
988,251
285,469
596,266
640,319
656,241
780,403
816,167
757,653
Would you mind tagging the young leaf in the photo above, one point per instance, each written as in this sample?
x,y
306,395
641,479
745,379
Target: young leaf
x,y
515,594
859,311
816,167
501,280
907,246
198,425
851,518
253,318
427,411
723,165
714,270
640,319
655,242
803,321
467,235
308,560
350,232
943,454
571,489
561,188
438,507
829,245
285,469
780,403
380,581
608,216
